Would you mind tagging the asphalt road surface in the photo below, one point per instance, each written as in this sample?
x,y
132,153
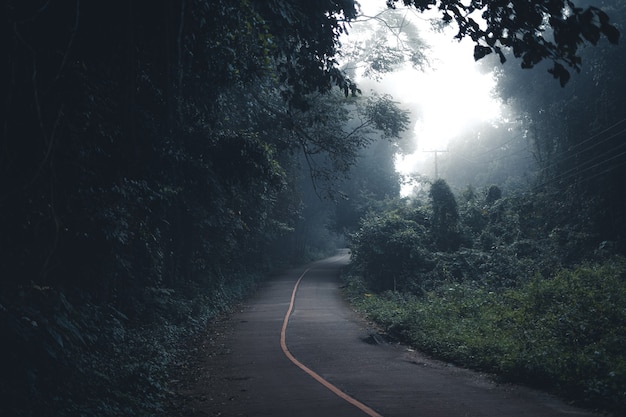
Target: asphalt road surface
x,y
324,339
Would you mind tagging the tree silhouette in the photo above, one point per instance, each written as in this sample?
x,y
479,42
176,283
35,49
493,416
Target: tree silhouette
x,y
520,25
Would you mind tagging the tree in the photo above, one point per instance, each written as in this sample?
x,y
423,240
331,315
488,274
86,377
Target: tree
x,y
535,30
372,180
577,134
445,216
333,131
305,41
151,145
385,43
490,153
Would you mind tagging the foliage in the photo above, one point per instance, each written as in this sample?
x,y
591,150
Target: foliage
x,y
576,135
445,216
494,193
59,343
334,133
373,179
145,175
534,294
552,30
563,333
152,156
388,41
385,247
306,38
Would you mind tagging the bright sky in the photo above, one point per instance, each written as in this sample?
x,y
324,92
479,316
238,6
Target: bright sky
x,y
447,99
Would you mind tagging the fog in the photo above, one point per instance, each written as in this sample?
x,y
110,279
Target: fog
x,y
464,129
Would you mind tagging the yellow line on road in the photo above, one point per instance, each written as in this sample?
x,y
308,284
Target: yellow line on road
x,y
283,344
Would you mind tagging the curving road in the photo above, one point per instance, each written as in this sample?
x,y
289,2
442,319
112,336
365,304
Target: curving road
x,y
324,339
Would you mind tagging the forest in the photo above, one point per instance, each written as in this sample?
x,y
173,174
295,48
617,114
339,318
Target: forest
x,y
160,158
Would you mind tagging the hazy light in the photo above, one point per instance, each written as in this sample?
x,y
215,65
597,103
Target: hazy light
x,y
447,100
454,95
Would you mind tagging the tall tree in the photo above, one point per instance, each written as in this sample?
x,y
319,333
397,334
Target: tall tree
x,y
445,212
577,133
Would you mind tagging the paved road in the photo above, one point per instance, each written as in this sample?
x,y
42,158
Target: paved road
x,y
326,336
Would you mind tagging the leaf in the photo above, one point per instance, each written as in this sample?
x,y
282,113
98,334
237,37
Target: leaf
x,y
55,336
500,54
591,33
611,33
481,51
559,71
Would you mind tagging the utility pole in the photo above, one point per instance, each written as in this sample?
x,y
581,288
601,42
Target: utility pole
x,y
436,165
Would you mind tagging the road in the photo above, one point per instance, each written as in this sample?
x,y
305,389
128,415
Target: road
x,y
324,339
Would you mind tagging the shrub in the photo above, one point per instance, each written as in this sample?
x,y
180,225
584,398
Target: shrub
x,y
573,327
388,249
564,333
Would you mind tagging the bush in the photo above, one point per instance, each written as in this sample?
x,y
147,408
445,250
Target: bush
x,y
388,248
563,333
574,326
68,356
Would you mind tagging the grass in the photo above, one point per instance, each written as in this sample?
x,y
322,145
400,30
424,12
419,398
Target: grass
x,y
564,333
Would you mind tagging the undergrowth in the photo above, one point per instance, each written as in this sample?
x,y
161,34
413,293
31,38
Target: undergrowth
x,y
563,333
69,356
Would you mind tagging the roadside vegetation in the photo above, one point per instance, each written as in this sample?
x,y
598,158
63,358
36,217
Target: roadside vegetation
x,y
506,285
159,157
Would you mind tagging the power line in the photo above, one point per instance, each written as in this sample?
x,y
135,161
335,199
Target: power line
x,y
595,144
579,172
558,160
588,161
570,173
599,133
564,152
606,171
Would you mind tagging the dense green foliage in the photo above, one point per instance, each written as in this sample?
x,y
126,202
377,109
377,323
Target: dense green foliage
x,y
156,156
576,134
531,286
385,250
562,334
530,292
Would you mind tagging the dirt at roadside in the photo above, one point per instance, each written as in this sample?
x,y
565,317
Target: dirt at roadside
x,y
200,384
